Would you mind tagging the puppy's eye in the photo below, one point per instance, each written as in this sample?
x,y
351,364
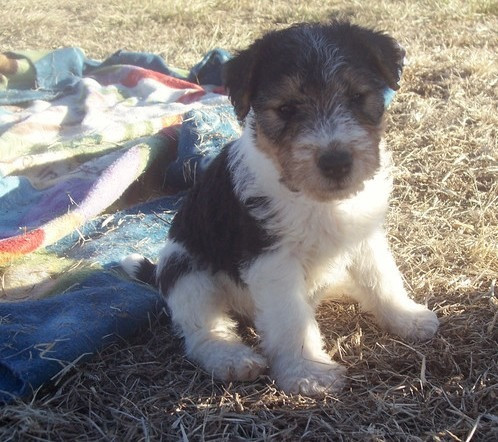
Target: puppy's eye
x,y
358,98
286,111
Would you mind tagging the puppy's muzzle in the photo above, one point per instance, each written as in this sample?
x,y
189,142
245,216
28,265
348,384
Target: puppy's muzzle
x,y
335,164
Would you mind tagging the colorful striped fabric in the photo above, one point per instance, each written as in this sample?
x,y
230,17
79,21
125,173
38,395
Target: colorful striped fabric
x,y
64,161
81,143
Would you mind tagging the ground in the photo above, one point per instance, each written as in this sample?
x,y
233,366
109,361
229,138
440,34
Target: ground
x,y
443,228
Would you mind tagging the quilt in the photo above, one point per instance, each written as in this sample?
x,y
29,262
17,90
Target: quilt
x,y
94,159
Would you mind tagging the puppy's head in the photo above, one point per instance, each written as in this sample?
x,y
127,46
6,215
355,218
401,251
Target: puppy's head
x,y
317,95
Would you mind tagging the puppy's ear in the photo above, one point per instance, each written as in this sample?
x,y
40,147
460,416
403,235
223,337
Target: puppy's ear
x,y
389,58
382,53
238,78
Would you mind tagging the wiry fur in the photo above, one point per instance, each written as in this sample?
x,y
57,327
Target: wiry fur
x,y
291,212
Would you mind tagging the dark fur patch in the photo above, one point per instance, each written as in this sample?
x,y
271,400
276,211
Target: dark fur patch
x,y
146,272
215,227
174,268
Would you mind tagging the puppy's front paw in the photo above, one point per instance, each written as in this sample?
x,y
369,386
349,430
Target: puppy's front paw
x,y
231,361
245,367
311,378
413,322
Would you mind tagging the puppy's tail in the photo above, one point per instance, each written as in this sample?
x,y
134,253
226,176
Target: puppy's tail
x,y
139,267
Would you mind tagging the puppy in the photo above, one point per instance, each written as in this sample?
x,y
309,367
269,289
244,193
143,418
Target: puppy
x,y
291,212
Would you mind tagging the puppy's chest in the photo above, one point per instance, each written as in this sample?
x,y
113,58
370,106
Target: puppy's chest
x,y
324,242
317,234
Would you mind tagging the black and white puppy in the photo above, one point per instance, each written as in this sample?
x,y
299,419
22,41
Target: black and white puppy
x,y
291,212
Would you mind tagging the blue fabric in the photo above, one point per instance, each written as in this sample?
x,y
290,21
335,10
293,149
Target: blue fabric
x,y
39,338
144,60
209,69
388,96
111,238
17,196
57,73
202,136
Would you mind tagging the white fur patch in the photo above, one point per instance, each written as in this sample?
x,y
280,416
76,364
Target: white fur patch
x,y
131,264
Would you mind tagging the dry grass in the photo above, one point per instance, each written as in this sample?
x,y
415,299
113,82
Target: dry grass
x,y
443,225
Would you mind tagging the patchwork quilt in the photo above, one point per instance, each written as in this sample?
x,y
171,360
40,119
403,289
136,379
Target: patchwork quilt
x,y
94,159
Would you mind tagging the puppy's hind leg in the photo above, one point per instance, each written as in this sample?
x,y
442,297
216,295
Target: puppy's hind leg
x,y
199,309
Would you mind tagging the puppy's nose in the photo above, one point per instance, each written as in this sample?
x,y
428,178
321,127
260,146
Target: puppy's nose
x,y
336,163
